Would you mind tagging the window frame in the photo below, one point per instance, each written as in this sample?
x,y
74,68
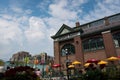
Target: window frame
x,y
70,47
94,43
116,37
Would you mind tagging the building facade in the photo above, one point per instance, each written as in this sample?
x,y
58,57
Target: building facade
x,y
98,39
19,56
42,58
22,55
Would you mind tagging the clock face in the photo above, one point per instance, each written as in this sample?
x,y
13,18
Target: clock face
x,y
67,49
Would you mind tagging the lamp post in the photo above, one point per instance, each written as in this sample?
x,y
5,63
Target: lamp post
x,y
42,62
50,70
67,63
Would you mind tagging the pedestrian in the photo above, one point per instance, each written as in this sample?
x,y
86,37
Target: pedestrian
x,y
38,72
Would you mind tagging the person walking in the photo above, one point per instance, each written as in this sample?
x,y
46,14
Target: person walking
x,y
38,72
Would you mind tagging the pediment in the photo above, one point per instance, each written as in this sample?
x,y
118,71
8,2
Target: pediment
x,y
63,30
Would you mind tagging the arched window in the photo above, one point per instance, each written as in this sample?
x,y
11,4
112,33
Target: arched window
x,y
93,44
70,48
116,38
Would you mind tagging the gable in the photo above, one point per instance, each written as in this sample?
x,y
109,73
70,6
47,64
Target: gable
x,y
63,30
66,32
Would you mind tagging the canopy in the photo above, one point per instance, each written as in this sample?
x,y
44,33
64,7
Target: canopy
x,y
76,62
119,57
87,64
71,66
56,65
92,61
112,58
102,62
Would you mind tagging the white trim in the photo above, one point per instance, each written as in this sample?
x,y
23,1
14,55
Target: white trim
x,y
106,32
69,36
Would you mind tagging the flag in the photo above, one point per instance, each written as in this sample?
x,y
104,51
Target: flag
x,y
26,59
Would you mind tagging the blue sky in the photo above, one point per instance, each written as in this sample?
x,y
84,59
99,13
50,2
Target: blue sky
x,y
26,25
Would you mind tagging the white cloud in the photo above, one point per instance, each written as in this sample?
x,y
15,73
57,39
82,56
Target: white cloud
x,y
44,4
65,11
75,5
36,30
6,16
9,30
58,10
10,37
20,10
28,11
112,2
17,10
102,9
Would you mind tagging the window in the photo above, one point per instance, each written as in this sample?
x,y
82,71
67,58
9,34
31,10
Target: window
x,y
93,44
116,38
70,47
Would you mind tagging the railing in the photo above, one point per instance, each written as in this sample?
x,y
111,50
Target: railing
x,y
111,21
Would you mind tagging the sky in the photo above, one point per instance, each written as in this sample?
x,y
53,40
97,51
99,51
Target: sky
x,y
27,25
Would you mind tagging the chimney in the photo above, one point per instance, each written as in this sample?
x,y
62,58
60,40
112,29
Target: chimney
x,y
77,24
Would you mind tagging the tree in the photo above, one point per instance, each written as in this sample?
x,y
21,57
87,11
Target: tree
x,y
1,62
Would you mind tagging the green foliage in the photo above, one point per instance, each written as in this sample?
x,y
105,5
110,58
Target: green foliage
x,y
113,73
2,63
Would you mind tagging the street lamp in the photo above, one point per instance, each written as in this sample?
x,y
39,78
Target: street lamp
x,y
43,62
67,63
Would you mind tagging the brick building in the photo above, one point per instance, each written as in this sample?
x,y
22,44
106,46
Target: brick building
x,y
98,39
19,56
42,58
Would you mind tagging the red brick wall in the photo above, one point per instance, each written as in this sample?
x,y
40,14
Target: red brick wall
x,y
56,52
98,54
109,44
78,49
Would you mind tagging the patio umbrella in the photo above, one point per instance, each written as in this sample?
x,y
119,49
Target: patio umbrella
x,y
119,57
102,62
71,66
86,64
56,65
92,61
76,62
112,58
